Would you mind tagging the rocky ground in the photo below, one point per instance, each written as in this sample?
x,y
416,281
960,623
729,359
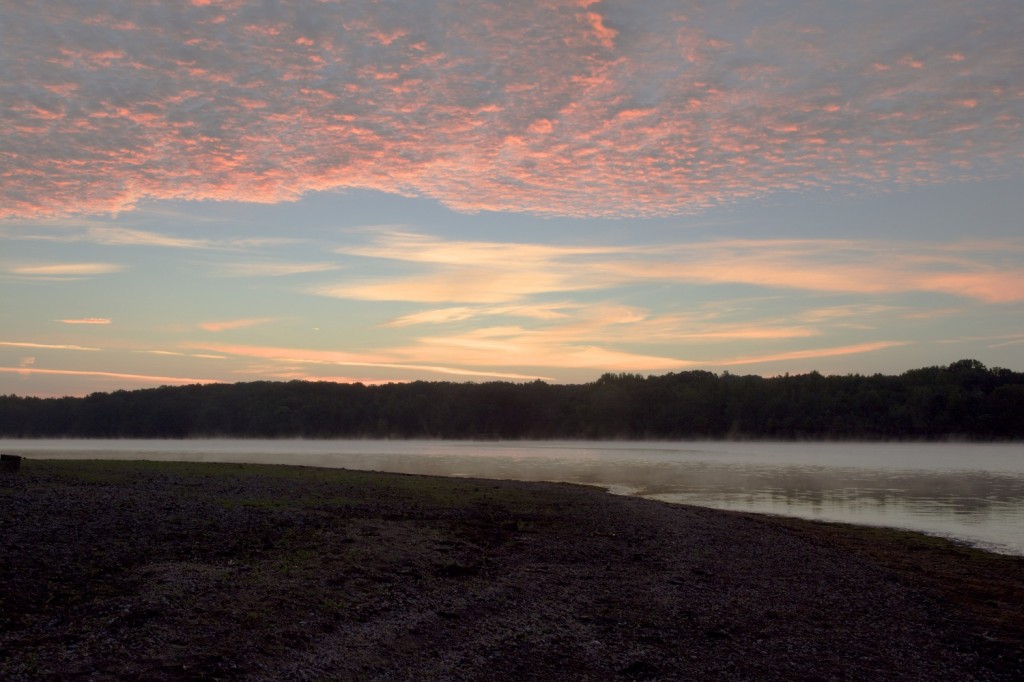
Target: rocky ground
x,y
161,571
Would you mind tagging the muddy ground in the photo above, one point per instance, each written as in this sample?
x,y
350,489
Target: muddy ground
x,y
166,571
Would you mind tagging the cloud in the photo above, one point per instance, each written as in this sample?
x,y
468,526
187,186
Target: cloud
x,y
846,312
596,337
813,353
515,346
46,346
87,320
271,269
553,107
468,284
476,272
122,236
66,270
304,356
26,363
80,230
468,271
226,325
143,378
460,313
1002,339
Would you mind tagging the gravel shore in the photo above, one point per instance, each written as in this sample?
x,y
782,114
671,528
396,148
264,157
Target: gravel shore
x,y
166,571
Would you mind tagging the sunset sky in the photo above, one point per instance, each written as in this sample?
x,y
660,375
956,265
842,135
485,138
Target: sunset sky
x,y
463,190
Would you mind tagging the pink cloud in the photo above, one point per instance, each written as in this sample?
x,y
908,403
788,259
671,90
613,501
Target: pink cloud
x,y
548,106
992,286
66,270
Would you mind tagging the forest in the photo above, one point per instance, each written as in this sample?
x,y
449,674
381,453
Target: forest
x,y
964,400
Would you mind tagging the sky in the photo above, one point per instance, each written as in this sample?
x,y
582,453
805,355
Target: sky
x,y
458,190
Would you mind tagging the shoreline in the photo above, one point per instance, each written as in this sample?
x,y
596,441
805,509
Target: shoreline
x,y
172,570
982,491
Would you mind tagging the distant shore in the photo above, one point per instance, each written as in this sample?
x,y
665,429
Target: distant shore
x,y
158,570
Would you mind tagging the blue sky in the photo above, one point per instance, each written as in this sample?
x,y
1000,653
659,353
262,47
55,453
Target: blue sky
x,y
470,191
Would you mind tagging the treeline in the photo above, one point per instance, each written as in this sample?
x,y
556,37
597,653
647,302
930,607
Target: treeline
x,y
963,400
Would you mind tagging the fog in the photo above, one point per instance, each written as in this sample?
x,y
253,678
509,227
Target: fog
x,y
970,492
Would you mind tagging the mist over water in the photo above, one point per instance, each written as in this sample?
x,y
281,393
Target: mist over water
x,y
969,492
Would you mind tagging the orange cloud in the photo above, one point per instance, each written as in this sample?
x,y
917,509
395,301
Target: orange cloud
x,y
498,272
226,325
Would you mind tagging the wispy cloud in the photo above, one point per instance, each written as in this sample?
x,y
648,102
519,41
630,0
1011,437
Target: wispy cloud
x,y
66,270
584,108
1001,340
814,353
306,356
143,378
93,231
1014,342
470,271
47,346
270,269
477,272
122,236
515,346
87,320
226,325
552,311
179,354
854,311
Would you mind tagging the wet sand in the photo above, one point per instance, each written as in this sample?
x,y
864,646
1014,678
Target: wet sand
x,y
144,570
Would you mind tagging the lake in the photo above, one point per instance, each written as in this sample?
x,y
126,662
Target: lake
x,y
973,493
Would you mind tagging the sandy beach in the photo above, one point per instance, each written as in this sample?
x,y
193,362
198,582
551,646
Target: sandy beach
x,y
163,571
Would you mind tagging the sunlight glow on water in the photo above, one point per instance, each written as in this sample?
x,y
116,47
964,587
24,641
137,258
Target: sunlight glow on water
x,y
969,492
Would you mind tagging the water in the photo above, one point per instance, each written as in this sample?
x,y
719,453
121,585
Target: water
x,y
973,493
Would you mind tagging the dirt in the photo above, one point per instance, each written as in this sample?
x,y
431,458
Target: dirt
x,y
164,571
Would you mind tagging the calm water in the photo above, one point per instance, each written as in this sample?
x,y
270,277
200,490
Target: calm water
x,y
970,492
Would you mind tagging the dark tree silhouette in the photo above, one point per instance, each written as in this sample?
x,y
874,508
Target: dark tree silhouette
x,y
963,400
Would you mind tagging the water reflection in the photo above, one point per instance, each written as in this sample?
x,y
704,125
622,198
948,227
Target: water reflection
x,y
970,492
985,509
